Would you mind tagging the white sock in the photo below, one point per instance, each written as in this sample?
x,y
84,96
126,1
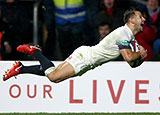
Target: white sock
x,y
49,70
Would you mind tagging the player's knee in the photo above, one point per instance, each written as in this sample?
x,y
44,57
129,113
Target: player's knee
x,y
54,79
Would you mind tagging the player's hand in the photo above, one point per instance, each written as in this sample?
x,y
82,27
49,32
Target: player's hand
x,y
143,52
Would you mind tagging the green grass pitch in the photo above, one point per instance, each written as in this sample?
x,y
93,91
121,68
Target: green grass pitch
x,y
79,113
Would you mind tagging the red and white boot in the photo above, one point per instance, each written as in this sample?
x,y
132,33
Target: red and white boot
x,y
13,71
28,49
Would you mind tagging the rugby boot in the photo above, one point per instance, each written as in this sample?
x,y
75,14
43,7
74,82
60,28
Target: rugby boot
x,y
13,71
28,49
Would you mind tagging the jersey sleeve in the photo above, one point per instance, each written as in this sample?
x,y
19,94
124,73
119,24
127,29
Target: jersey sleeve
x,y
124,44
133,45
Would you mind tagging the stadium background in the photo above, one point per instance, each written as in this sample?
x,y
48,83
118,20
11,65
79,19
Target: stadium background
x,y
148,86
40,28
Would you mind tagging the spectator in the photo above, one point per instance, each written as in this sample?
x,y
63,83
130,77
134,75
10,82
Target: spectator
x,y
153,9
48,17
3,28
70,20
92,8
149,33
15,27
16,17
103,28
154,13
1,35
109,9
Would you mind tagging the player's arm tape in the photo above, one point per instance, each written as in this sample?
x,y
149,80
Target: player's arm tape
x,y
49,70
124,47
124,44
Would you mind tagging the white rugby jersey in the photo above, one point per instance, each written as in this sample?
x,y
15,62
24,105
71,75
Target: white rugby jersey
x,y
108,48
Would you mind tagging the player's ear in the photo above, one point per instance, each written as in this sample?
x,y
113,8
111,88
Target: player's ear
x,y
131,20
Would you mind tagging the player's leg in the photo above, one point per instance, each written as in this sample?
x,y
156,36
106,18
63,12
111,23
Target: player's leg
x,y
19,68
55,74
62,72
45,62
75,64
36,52
33,69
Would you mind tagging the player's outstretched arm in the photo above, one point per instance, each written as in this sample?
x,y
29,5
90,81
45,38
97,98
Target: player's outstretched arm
x,y
134,58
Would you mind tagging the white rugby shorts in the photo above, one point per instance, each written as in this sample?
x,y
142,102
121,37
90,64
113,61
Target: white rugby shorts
x,y
79,61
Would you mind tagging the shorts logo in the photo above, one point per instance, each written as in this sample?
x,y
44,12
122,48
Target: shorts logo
x,y
69,57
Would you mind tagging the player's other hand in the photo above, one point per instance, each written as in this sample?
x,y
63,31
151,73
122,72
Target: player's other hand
x,y
143,52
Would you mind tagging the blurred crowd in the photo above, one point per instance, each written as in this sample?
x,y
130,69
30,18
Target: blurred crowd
x,y
64,25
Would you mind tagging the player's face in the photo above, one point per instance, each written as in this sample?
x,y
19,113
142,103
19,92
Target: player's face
x,y
138,21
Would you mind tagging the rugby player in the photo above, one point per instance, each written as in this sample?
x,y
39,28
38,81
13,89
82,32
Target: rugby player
x,y
120,41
